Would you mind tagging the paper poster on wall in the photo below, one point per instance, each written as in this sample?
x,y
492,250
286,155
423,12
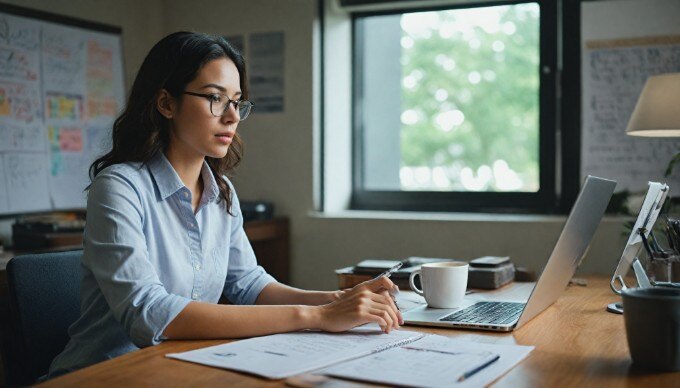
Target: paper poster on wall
x,y
266,71
61,87
4,194
26,178
614,73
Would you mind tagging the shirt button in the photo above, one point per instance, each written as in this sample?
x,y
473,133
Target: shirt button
x,y
194,296
186,194
197,267
190,225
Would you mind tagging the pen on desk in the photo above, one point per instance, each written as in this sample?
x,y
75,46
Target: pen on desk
x,y
473,371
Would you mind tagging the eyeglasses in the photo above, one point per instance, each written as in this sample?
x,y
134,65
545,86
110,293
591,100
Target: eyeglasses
x,y
219,104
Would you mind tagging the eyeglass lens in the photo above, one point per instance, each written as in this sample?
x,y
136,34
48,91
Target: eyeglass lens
x,y
218,108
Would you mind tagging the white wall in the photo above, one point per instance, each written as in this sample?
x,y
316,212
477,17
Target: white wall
x,y
278,164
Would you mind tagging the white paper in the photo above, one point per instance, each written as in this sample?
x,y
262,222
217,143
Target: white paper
x,y
60,89
266,71
406,366
284,355
26,178
4,193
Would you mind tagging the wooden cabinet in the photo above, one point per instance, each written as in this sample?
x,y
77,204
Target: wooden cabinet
x,y
270,240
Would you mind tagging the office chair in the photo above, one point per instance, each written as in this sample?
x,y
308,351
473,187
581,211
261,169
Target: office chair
x,y
44,300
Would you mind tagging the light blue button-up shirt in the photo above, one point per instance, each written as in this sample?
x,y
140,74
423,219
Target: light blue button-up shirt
x,y
147,255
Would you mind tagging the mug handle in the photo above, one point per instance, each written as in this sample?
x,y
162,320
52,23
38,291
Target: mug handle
x,y
413,285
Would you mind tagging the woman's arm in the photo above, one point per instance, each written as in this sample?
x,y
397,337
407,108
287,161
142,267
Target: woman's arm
x,y
368,302
277,294
201,320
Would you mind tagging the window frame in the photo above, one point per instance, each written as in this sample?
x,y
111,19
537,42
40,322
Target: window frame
x,y
545,200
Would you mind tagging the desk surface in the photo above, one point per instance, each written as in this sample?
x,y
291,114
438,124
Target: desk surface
x,y
577,342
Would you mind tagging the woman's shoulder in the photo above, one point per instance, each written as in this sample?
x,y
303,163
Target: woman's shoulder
x,y
130,173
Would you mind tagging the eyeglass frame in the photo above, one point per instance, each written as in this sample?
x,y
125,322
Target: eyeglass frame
x,y
230,102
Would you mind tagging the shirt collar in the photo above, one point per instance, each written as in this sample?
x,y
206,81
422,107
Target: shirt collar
x,y
168,182
210,189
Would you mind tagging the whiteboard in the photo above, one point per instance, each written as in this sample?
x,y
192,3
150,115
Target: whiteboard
x,y
623,43
61,87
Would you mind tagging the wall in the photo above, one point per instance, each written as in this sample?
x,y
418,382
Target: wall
x,y
278,164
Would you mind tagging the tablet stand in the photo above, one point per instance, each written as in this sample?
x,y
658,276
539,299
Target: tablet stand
x,y
639,237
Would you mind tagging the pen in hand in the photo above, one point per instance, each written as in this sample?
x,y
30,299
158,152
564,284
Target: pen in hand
x,y
390,271
474,370
387,274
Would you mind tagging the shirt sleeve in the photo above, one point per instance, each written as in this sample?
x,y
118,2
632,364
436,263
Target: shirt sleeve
x,y
245,279
115,251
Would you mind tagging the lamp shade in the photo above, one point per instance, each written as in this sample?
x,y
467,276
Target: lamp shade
x,y
657,113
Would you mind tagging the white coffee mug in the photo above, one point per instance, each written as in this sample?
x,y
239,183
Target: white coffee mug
x,y
443,284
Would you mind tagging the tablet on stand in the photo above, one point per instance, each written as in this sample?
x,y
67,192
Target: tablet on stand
x,y
651,207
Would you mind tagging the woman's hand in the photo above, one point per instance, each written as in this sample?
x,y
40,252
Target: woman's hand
x,y
367,302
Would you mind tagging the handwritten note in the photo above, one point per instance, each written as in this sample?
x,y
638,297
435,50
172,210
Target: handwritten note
x,y
4,192
18,64
267,71
26,177
614,75
28,137
60,89
20,102
68,179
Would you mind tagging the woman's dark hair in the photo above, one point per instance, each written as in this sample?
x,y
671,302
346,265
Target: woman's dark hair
x,y
141,131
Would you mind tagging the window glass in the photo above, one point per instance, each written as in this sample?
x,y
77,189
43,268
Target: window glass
x,y
449,100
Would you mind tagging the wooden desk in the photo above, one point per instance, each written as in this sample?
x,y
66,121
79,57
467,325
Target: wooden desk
x,y
577,343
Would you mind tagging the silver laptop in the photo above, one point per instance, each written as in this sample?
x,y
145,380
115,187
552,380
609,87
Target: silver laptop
x,y
480,312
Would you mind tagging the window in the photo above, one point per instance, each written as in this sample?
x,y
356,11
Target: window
x,y
454,108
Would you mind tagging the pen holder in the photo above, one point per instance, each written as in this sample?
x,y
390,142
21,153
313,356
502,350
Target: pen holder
x,y
664,271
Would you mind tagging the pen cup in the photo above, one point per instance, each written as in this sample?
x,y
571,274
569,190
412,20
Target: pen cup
x,y
443,284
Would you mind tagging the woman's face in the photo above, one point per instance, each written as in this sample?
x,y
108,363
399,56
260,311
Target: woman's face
x,y
194,130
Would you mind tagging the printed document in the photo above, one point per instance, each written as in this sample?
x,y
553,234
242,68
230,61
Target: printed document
x,y
433,361
364,353
284,355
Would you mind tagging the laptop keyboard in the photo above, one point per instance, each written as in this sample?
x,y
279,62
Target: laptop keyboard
x,y
488,313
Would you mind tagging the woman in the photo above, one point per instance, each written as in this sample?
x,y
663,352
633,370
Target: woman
x,y
164,237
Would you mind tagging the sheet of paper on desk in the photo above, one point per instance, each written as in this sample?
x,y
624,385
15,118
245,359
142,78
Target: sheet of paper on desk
x,y
408,300
409,367
284,355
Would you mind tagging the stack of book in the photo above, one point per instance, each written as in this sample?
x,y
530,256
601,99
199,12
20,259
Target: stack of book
x,y
52,231
486,272
490,272
368,269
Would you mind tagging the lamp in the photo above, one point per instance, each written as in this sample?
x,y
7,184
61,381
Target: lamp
x,y
657,112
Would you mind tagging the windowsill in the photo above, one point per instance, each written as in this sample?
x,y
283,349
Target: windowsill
x,y
457,217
